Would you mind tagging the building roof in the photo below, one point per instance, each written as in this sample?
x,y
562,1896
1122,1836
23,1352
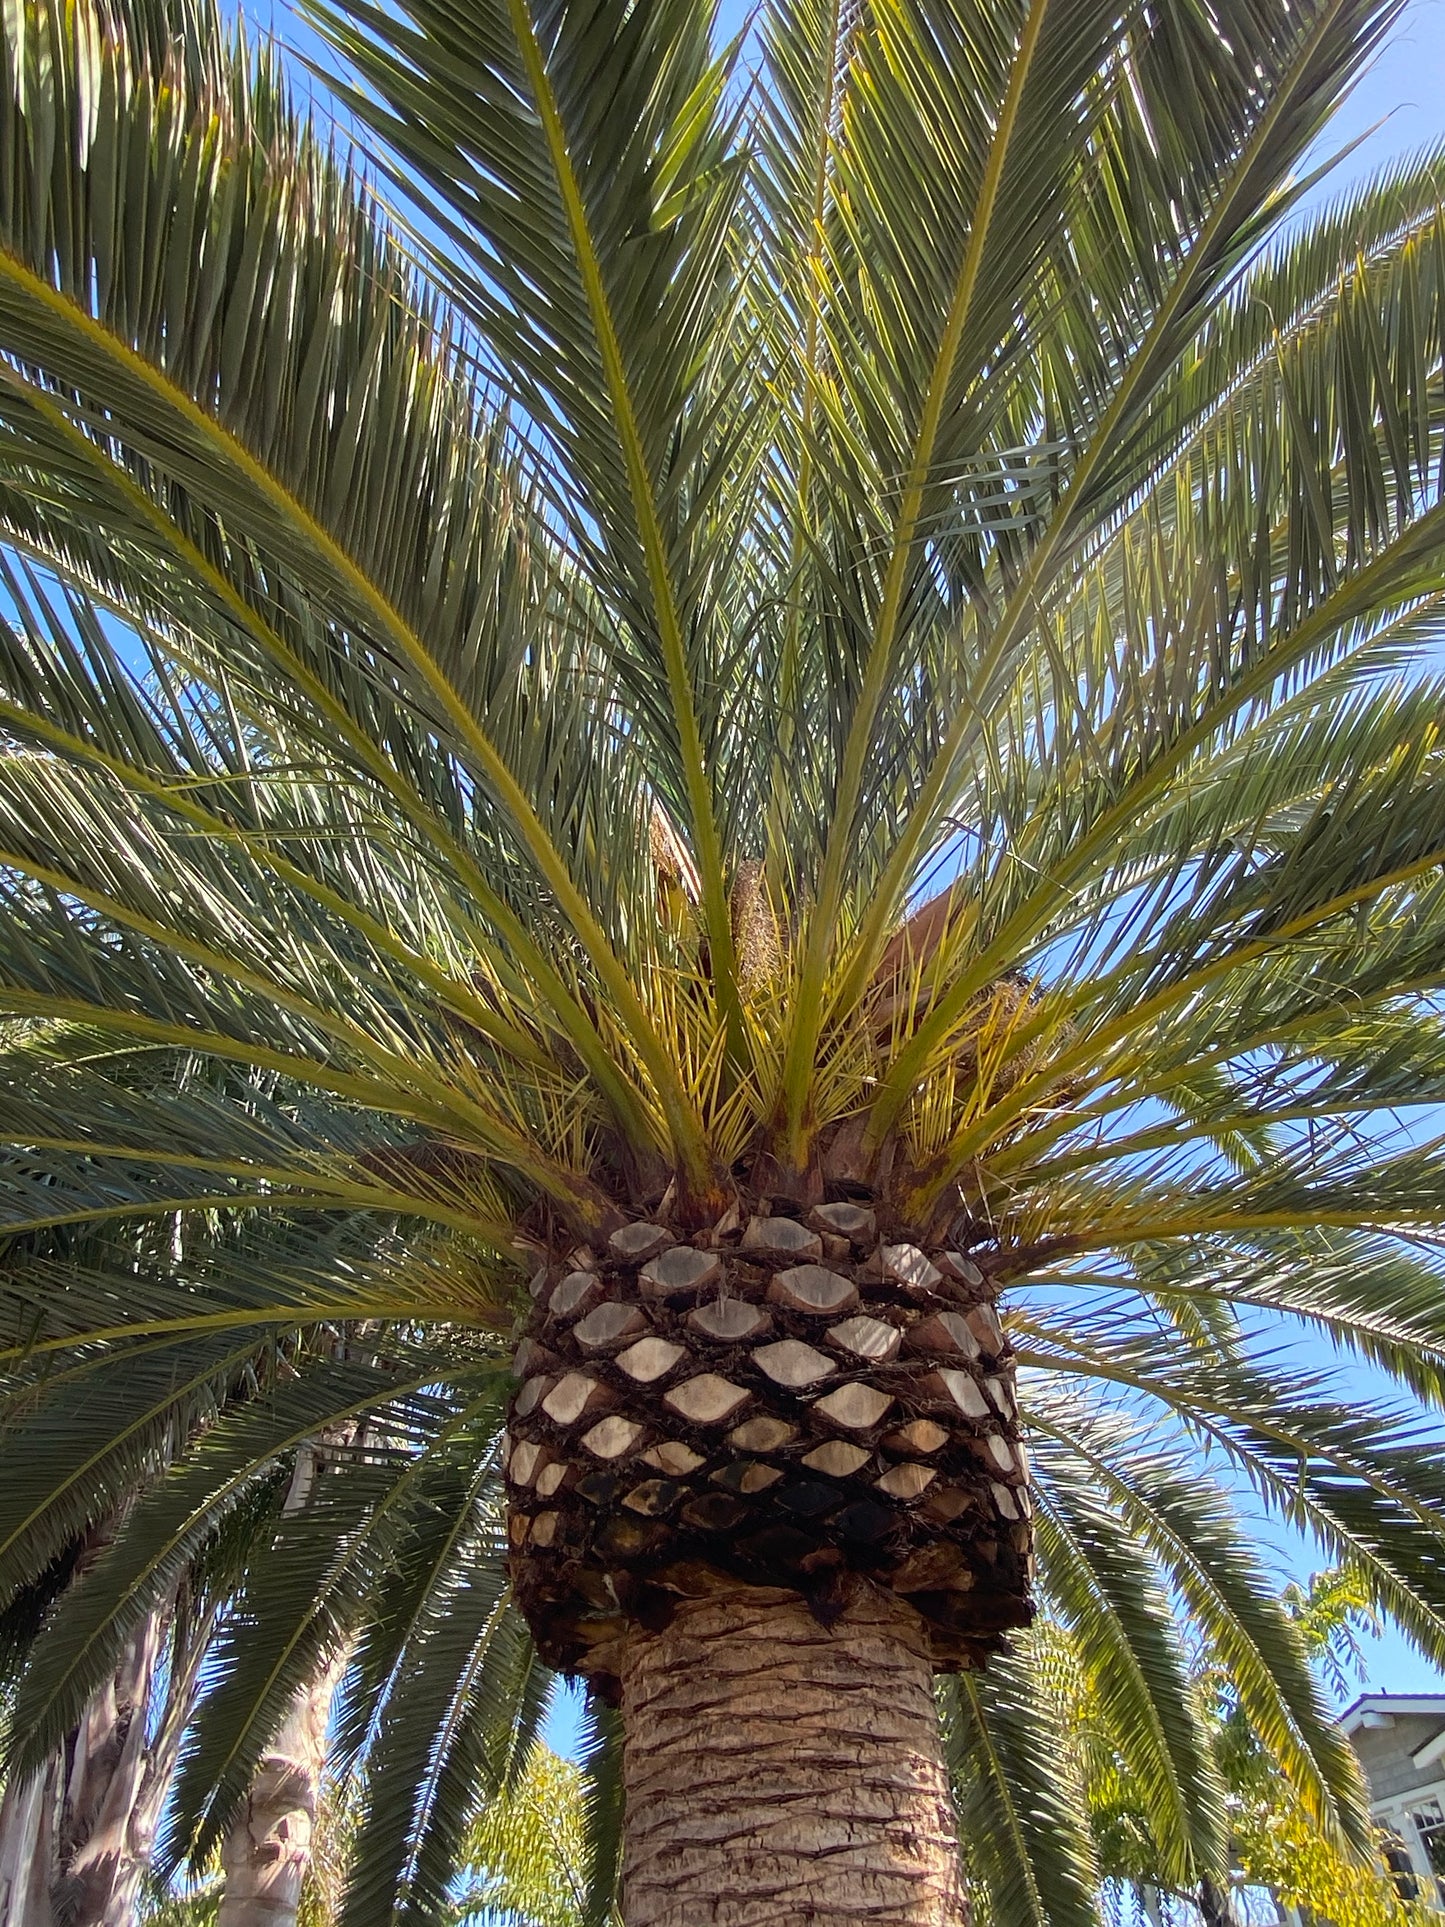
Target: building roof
x,y
1375,1709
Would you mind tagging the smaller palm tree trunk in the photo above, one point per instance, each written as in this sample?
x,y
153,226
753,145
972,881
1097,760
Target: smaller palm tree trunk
x,y
777,1769
70,1846
27,1850
267,1850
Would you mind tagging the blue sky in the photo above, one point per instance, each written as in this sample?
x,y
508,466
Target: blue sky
x,y
1404,92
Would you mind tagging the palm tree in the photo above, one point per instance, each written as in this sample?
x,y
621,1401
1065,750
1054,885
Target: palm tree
x,y
88,1445
774,710
268,1849
75,1833
123,1621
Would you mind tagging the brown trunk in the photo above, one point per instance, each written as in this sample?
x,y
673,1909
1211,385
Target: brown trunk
x,y
764,1479
75,1838
268,1849
267,1852
777,1770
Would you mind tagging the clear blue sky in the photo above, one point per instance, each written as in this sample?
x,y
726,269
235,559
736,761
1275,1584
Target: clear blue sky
x,y
1404,92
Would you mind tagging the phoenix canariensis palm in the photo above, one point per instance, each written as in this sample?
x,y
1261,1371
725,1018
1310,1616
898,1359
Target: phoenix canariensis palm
x,y
786,710
90,1444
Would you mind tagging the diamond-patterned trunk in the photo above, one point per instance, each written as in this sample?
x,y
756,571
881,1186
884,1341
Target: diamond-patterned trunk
x,y
784,1401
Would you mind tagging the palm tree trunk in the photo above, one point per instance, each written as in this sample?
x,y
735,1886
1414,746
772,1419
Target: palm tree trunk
x,y
779,1770
27,1850
267,1852
74,1838
765,1548
268,1849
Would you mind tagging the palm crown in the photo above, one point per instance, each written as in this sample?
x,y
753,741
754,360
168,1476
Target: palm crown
x,y
837,638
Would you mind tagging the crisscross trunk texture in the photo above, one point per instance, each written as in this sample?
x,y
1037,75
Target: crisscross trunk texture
x,y
792,1402
778,1770
766,1477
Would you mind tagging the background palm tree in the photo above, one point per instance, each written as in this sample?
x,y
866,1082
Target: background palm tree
x,y
76,1833
90,1444
788,711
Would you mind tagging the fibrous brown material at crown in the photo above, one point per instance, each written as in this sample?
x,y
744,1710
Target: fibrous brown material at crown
x,y
788,1401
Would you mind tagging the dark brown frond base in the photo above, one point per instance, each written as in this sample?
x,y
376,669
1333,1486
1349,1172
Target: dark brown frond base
x,y
784,1402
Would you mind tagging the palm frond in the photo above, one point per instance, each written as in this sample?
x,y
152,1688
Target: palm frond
x,y
1101,1585
604,343
1189,1526
1024,1842
171,1524
324,1577
277,494
601,1760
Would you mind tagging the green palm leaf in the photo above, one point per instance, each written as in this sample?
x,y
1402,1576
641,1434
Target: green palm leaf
x,y
1019,1820
857,631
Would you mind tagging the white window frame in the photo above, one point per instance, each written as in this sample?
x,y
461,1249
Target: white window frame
x,y
1398,1814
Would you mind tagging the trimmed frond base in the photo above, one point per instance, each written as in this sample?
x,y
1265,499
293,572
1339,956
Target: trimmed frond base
x,y
786,1401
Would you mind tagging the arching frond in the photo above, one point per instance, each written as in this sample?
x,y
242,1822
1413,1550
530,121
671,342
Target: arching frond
x,y
1019,1819
844,615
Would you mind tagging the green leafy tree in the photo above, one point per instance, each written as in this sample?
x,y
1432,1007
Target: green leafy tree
x,y
1276,1845
196,1900
527,1856
1275,1842
524,1862
790,714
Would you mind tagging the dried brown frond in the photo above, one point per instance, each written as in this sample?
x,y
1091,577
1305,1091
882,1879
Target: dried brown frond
x,y
674,872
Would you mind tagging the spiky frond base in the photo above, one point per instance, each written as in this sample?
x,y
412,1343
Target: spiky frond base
x,y
785,1401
